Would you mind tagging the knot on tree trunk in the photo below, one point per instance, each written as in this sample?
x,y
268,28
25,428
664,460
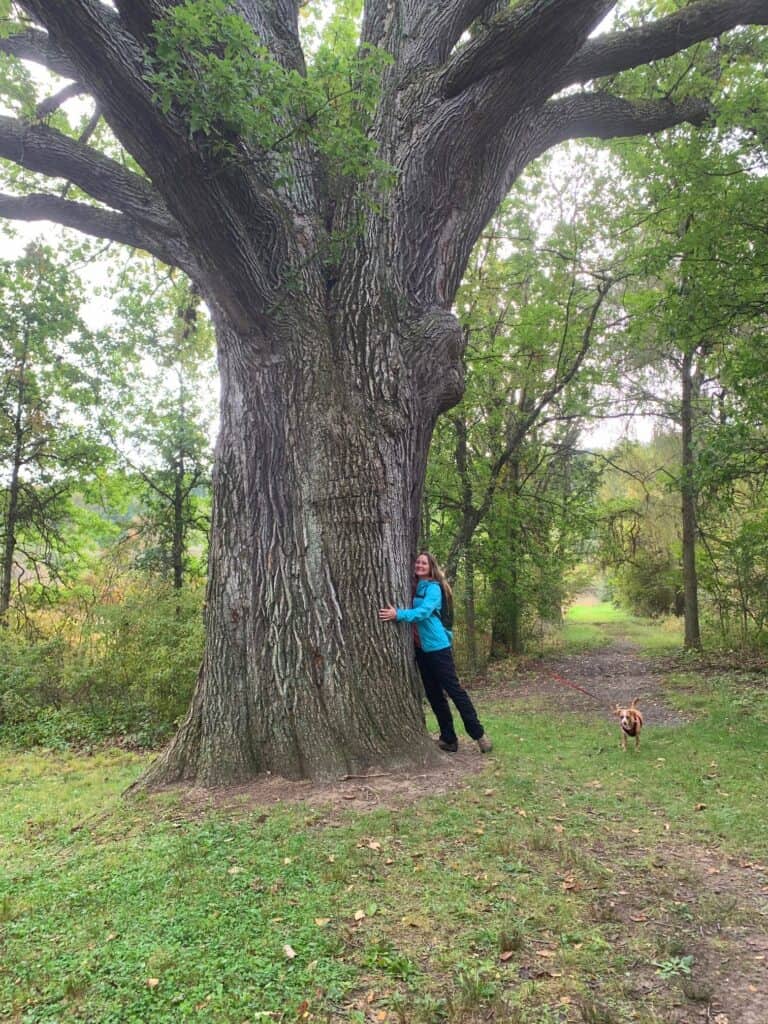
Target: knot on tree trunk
x,y
438,344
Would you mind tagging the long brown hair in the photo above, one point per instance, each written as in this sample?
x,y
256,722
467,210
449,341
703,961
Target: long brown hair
x,y
436,573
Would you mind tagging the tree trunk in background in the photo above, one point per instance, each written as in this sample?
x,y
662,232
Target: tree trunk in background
x,y
506,630
470,623
14,485
177,541
691,386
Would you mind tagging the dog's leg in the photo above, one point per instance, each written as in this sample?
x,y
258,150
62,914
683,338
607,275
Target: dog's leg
x,y
637,740
623,740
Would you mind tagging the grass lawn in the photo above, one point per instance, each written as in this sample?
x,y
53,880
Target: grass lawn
x,y
561,885
589,626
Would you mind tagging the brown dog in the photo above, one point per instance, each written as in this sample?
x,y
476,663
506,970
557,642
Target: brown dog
x,y
631,722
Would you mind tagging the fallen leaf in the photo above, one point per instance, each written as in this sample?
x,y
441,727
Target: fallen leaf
x,y
700,807
547,953
506,955
359,915
234,870
638,917
321,922
289,952
153,982
287,860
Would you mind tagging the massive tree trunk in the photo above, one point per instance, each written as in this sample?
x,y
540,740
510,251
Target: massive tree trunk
x,y
332,298
316,492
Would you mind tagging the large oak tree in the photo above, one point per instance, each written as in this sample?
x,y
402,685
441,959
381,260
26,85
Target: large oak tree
x,y
331,293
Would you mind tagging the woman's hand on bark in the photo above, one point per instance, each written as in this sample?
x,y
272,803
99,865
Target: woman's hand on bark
x,y
388,614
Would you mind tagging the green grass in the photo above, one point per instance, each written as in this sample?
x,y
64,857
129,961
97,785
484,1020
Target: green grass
x,y
590,626
494,899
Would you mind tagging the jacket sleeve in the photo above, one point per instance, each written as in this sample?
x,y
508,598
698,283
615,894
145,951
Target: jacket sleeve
x,y
432,601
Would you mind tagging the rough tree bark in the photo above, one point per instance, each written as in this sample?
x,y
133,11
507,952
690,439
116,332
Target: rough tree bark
x,y
332,376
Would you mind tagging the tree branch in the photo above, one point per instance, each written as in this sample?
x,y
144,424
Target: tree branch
x,y
601,116
617,51
95,221
51,104
48,151
536,37
208,195
37,47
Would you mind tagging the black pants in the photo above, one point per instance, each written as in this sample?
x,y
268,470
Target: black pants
x,y
438,673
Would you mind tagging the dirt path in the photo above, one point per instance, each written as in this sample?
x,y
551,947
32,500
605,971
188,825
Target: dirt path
x,y
614,674
725,896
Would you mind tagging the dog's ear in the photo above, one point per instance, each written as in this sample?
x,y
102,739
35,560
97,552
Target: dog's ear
x,y
617,710
635,702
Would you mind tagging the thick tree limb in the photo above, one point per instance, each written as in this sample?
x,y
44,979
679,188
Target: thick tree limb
x,y
98,222
47,151
535,37
37,47
601,116
222,203
439,24
617,51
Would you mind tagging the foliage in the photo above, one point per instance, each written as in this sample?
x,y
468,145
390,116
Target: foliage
x,y
508,490
160,414
209,65
48,386
116,660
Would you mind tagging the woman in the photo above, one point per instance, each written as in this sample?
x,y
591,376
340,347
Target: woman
x,y
434,656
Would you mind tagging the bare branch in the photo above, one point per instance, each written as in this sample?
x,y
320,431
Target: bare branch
x,y
37,47
47,151
51,104
95,221
535,38
601,116
617,51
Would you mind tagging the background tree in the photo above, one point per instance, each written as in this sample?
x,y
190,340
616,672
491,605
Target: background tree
x,y
502,482
46,386
701,289
160,413
330,277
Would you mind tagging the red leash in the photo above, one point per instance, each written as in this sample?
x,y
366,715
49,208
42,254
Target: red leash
x,y
574,686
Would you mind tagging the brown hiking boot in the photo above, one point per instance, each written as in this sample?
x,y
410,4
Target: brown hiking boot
x,y
485,744
450,747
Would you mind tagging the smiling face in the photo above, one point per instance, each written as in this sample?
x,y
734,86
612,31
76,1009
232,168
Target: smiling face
x,y
421,568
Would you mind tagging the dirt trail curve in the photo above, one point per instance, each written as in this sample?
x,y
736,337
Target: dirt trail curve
x,y
614,675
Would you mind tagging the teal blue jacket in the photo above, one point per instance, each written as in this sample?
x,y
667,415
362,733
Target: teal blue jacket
x,y
427,602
